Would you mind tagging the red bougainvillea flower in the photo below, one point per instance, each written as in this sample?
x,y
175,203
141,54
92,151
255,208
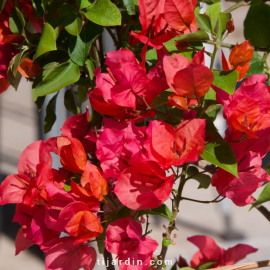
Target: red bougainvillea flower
x,y
143,189
77,127
125,89
168,146
65,255
247,110
188,79
92,180
29,69
251,177
124,238
239,59
115,146
154,26
209,251
71,151
77,220
179,14
14,187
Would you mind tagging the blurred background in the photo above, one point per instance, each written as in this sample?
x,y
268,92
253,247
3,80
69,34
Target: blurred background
x,y
21,124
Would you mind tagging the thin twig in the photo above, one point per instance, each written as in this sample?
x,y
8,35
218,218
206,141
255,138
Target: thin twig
x,y
244,266
237,5
116,43
263,210
108,260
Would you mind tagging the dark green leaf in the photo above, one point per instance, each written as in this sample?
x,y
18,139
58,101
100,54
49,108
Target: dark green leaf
x,y
166,242
256,65
104,13
162,210
83,3
192,170
203,22
220,153
226,80
50,114
95,119
71,102
2,4
90,68
203,179
174,267
213,9
205,265
220,26
257,25
47,42
39,6
268,169
100,242
162,98
80,45
82,93
39,102
130,6
72,19
264,196
74,24
16,22
84,81
53,9
57,78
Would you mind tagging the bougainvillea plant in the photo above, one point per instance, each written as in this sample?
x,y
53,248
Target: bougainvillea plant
x,y
151,123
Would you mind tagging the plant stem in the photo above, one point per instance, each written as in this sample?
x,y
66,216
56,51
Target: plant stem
x,y
244,266
96,56
108,260
263,210
231,46
237,5
204,202
214,55
175,211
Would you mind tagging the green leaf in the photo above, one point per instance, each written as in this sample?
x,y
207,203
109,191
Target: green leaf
x,y
264,196
162,98
205,265
268,169
226,80
203,21
130,6
70,101
199,35
72,19
162,210
220,153
80,45
95,119
210,95
90,68
39,7
47,42
213,9
83,3
256,65
50,114
16,22
74,25
53,9
220,26
166,242
39,102
2,4
82,93
203,179
174,267
151,55
104,13
257,25
57,78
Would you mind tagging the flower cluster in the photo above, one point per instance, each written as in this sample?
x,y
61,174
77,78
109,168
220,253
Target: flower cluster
x,y
154,121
